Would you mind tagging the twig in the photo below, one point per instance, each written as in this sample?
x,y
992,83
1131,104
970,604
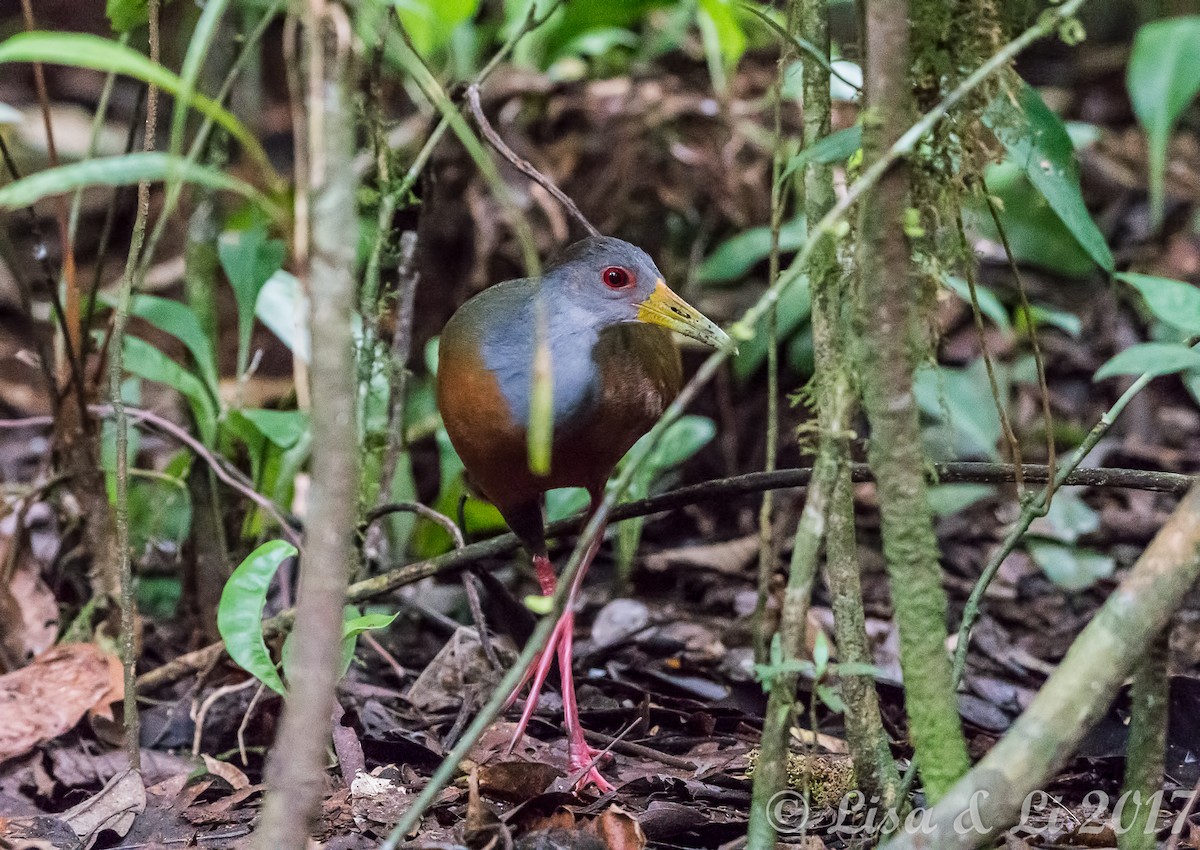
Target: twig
x,y
741,485
1038,360
520,163
116,376
414,508
1014,445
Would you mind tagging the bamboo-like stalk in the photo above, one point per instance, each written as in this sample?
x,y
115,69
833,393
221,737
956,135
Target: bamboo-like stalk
x,y
835,391
888,323
1145,754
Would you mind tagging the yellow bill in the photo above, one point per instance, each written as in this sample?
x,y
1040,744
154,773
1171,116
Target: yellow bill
x,y
667,309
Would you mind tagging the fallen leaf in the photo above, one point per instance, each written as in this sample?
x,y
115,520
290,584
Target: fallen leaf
x,y
516,781
229,772
729,556
114,807
42,701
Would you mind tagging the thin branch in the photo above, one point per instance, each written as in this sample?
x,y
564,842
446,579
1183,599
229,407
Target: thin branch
x,y
722,489
116,377
520,163
1038,360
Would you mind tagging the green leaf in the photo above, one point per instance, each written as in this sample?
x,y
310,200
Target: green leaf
x,y
1040,314
683,438
737,255
1171,301
354,626
181,322
989,304
124,170
199,42
1163,79
284,428
1037,140
249,259
1070,567
1151,358
125,15
836,147
151,364
946,499
431,23
821,653
81,50
961,399
830,698
239,614
731,38
282,306
1036,233
1068,518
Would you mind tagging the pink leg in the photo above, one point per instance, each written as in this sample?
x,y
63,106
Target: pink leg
x,y
580,755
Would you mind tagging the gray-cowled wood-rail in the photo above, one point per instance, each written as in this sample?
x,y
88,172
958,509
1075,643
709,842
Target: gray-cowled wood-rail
x,y
614,369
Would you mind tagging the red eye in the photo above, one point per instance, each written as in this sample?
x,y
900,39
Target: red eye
x,y
615,277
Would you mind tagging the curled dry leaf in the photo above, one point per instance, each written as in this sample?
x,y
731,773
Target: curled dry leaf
x,y
42,701
28,609
113,808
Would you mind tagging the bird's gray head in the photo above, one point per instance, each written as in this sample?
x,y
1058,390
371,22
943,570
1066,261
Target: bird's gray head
x,y
614,281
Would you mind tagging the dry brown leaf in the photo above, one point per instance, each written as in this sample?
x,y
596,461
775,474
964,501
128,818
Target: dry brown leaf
x,y
618,830
114,807
42,701
28,609
229,772
516,781
729,556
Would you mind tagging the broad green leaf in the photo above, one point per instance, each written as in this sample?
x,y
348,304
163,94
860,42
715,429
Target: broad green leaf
x,y
1037,140
961,399
430,23
1171,301
151,364
81,50
1070,567
249,259
1163,79
731,38
737,255
947,499
284,428
1036,233
239,614
1152,358
125,15
683,438
181,322
836,147
1068,518
793,312
1040,314
283,307
124,170
989,304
